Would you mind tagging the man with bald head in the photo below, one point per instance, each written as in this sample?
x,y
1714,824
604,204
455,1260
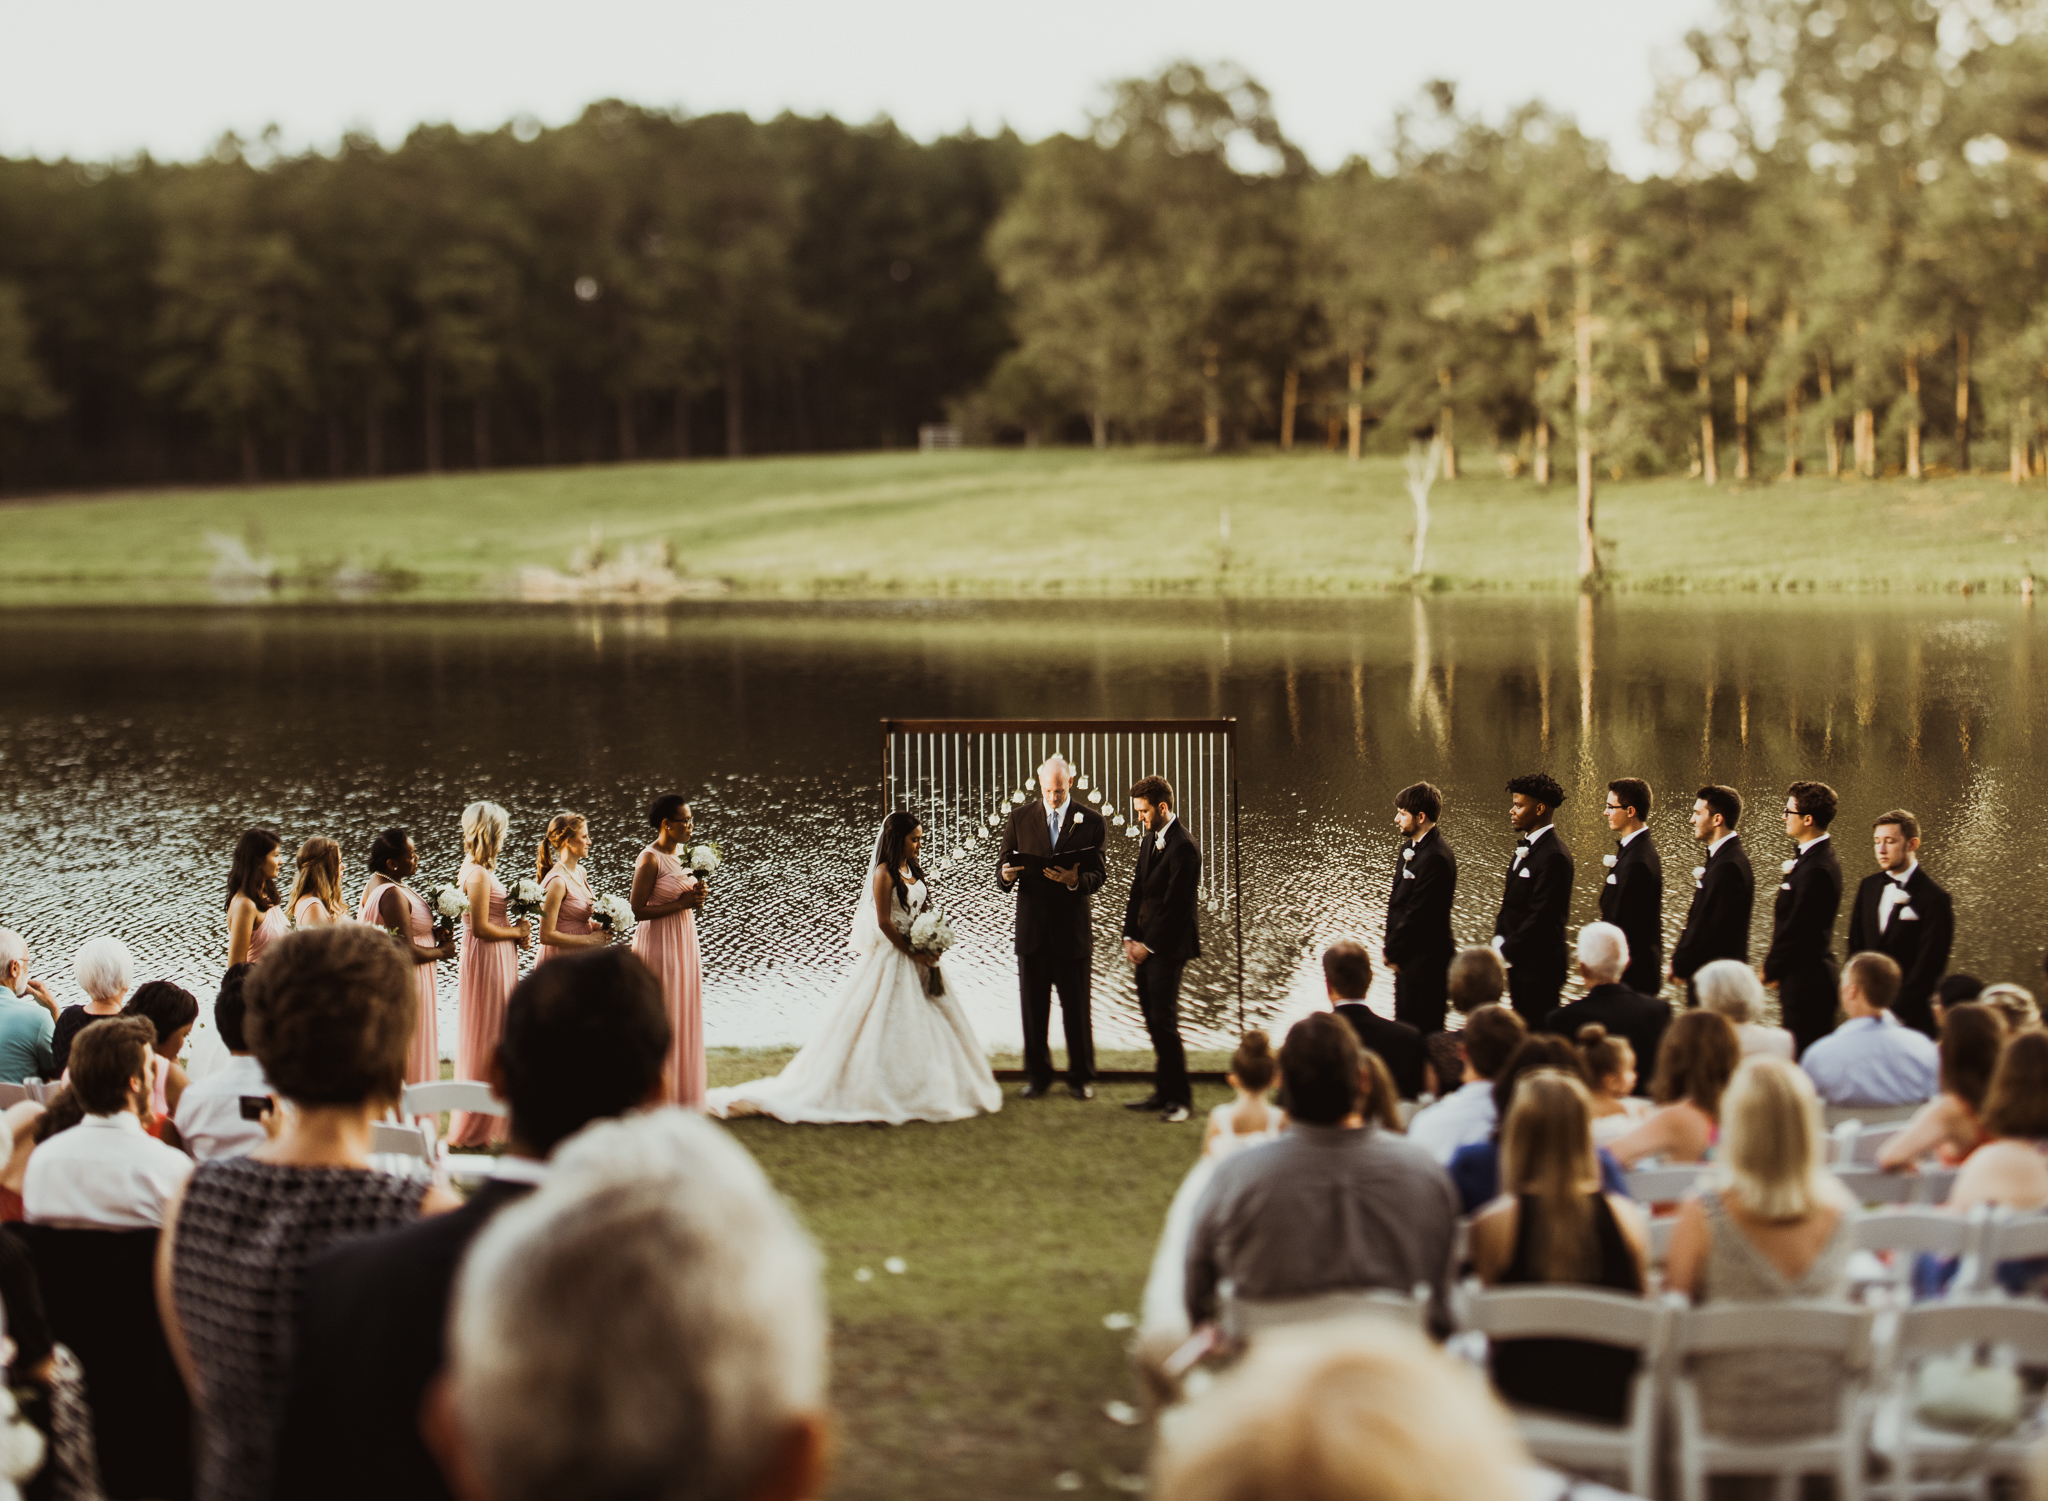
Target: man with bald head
x,y
1052,859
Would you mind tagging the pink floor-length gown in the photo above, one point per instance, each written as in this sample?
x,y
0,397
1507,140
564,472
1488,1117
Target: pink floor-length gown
x,y
572,917
269,928
486,973
423,1058
668,946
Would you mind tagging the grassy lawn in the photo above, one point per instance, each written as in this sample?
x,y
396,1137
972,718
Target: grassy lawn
x,y
1124,522
984,1368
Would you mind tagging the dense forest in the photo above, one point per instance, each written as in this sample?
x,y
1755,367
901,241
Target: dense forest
x,y
1842,269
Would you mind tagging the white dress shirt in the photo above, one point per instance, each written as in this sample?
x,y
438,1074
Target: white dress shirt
x,y
1458,1120
105,1173
209,1113
1714,844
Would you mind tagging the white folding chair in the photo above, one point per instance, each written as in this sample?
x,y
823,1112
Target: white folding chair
x,y
1869,1115
1929,1461
1873,1185
1838,1330
1662,1228
403,1149
450,1094
1404,1111
13,1094
2007,1237
1246,1318
1581,1445
1934,1184
1909,1232
1664,1185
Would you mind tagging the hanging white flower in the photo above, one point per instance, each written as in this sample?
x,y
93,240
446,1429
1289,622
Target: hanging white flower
x,y
1017,797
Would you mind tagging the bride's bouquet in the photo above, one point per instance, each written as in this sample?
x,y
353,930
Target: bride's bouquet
x,y
448,902
612,913
930,933
525,899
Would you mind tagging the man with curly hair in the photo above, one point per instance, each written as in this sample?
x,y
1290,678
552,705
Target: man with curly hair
x,y
1529,932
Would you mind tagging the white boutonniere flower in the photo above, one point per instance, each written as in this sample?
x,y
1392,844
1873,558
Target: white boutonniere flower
x,y
1698,871
1609,860
1787,866
1079,819
1408,854
1159,843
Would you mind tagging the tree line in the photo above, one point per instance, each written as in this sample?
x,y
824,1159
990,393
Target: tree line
x,y
1840,271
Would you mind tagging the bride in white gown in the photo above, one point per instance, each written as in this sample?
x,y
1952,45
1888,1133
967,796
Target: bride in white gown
x,y
886,1051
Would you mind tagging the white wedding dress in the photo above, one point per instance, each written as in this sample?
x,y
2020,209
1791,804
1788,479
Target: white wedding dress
x,y
885,1051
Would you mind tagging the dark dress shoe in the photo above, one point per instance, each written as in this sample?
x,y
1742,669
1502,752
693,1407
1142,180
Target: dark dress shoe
x,y
1081,1091
1034,1091
1150,1102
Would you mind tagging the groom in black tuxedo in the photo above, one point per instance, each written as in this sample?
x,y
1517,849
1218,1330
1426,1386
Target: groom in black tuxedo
x,y
1801,963
1419,945
1900,912
1160,936
1723,890
1537,901
1055,939
1632,898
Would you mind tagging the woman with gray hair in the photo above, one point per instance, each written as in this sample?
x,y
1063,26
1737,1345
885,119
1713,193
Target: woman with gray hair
x,y
105,971
1730,987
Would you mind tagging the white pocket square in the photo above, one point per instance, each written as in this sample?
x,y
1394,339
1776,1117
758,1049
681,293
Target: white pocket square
x,y
1407,874
1784,885
1614,880
1906,914
1524,872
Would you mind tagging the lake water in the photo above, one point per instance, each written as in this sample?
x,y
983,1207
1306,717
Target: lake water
x,y
136,745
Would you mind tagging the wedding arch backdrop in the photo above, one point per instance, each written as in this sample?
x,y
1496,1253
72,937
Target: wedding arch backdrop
x,y
965,777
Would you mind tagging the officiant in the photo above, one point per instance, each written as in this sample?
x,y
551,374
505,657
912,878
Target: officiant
x,y
1052,859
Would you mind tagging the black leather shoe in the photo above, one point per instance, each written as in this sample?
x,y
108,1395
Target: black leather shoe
x,y
1081,1091
1034,1092
1150,1102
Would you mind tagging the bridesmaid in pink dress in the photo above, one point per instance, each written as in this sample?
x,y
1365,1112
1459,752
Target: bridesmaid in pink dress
x,y
255,911
489,968
390,903
316,891
565,924
665,898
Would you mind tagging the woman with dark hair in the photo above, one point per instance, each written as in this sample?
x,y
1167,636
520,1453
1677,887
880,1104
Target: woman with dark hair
x,y
1951,1125
171,1010
392,905
1699,1055
665,898
566,907
884,1049
1475,1169
256,917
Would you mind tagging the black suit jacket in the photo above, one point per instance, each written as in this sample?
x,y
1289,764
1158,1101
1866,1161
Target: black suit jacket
x,y
1400,1046
1919,938
1419,905
1624,1013
1161,911
1717,922
371,1336
1535,905
1803,916
1632,898
1052,920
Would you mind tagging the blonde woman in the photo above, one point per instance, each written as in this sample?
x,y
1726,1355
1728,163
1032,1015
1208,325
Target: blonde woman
x,y
316,889
2016,1004
489,965
1553,1226
1776,1225
565,924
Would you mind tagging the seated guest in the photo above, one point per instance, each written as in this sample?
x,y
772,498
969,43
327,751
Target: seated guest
x,y
1776,1225
1954,990
1872,1059
28,1017
1382,1097
1485,1044
585,1039
329,1015
1603,955
2016,1004
2009,1169
171,1010
1950,1126
707,1382
210,1116
1347,975
1476,978
1334,1204
1250,1117
1354,1410
1694,1065
106,1173
1475,1169
1731,988
1553,1226
1609,1064
104,970
18,1135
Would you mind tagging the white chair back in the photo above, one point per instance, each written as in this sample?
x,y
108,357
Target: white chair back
x,y
1869,1115
450,1094
1916,1231
1872,1185
1927,1460
391,1139
1664,1185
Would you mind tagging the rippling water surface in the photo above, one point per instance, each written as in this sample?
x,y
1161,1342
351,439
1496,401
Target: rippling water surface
x,y
135,746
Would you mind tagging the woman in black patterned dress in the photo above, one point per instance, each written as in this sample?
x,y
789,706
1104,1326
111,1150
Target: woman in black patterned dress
x,y
329,1015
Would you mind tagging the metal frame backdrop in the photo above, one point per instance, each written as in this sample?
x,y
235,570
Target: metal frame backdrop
x,y
965,776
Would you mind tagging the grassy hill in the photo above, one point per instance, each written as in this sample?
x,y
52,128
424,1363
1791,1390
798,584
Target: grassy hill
x,y
997,523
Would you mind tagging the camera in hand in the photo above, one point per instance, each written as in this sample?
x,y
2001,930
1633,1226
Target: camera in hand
x,y
255,1106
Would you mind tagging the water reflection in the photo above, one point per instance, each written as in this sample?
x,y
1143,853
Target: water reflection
x,y
134,747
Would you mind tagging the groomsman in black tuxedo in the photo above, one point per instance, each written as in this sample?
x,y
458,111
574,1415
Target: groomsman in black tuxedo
x,y
1160,936
1633,897
1901,913
1723,890
1529,933
1055,939
1419,944
1801,963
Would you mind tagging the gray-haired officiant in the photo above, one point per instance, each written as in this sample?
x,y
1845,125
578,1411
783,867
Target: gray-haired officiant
x,y
1052,859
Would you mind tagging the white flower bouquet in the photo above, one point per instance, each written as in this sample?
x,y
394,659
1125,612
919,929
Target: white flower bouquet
x,y
525,899
448,902
612,913
705,860
930,933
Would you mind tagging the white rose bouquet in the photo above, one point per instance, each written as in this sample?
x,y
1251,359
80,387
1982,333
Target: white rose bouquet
x,y
930,933
612,913
705,860
448,902
525,899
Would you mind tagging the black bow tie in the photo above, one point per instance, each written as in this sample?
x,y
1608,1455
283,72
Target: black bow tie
x,y
1522,843
1898,881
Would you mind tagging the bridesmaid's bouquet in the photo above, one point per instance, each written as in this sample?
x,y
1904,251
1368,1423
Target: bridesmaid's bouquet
x,y
612,913
932,934
525,899
704,861
448,902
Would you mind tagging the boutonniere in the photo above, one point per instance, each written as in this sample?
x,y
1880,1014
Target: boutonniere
x,y
1609,860
1787,866
1159,843
1698,871
1408,854
1079,819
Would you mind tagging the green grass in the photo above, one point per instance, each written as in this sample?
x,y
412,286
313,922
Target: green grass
x,y
1006,523
984,1368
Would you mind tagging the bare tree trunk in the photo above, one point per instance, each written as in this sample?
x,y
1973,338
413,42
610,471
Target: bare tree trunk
x,y
2022,430
1794,436
430,404
627,437
1827,396
1542,465
1424,464
682,423
735,411
480,429
1098,428
1703,351
1866,442
1212,408
1739,317
1355,411
1290,395
1962,401
1913,427
1582,331
1446,421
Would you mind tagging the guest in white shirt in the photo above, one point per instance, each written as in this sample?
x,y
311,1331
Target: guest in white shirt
x,y
1466,1115
210,1116
106,1172
1731,987
1871,1059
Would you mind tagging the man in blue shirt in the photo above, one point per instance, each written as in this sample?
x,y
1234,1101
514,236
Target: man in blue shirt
x,y
28,1016
1871,1059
